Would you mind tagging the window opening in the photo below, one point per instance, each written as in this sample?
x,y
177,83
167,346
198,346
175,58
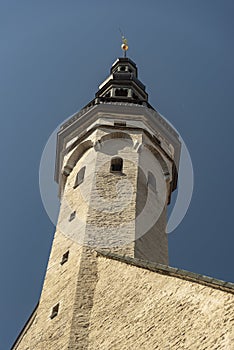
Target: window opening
x,y
119,123
116,164
135,96
54,311
65,258
72,216
79,177
151,181
121,92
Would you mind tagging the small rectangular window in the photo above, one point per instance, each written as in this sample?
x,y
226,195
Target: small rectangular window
x,y
65,258
54,311
121,92
119,123
116,165
72,216
152,181
79,177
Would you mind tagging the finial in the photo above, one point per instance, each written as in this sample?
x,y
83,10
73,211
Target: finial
x,y
124,45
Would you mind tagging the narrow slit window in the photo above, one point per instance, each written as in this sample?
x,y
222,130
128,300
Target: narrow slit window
x,y
54,311
116,165
79,177
65,258
152,181
119,123
72,216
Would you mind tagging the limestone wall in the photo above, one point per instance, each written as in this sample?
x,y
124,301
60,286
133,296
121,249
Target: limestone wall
x,y
59,287
111,304
115,209
134,308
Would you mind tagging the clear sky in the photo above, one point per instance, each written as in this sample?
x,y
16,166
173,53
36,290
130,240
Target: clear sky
x,y
54,54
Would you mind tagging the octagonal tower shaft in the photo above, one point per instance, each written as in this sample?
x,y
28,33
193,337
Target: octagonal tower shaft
x,y
116,165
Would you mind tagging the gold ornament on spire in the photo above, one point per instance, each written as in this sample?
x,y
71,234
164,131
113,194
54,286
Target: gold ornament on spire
x,y
124,45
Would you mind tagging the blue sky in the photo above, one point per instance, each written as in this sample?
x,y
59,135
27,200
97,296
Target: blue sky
x,y
54,54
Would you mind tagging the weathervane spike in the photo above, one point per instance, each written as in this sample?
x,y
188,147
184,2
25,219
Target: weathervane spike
x,y
124,45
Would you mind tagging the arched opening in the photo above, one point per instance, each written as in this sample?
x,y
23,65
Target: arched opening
x,y
116,165
117,135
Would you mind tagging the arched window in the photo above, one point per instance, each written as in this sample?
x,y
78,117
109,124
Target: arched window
x,y
151,181
79,177
116,164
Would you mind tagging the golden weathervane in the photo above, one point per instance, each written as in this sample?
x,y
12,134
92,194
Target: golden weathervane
x,y
124,45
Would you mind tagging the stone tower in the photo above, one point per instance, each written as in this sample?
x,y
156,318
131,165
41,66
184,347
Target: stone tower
x,y
116,166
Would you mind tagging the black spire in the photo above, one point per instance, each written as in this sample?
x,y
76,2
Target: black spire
x,y
122,85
